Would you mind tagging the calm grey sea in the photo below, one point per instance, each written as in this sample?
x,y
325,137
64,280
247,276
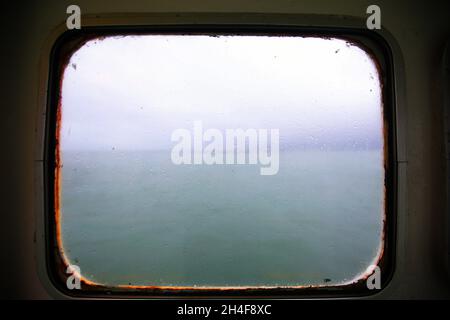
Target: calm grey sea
x,y
133,217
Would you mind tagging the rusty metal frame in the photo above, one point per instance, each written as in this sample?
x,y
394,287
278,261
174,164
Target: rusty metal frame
x,y
70,41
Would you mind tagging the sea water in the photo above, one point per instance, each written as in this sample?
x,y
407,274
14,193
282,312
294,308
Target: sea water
x,y
133,217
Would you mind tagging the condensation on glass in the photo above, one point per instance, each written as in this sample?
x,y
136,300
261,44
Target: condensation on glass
x,y
135,211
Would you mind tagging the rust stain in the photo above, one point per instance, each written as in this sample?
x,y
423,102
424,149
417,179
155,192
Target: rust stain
x,y
379,259
57,182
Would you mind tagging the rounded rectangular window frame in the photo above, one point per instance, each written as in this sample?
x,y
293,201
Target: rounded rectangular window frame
x,y
69,41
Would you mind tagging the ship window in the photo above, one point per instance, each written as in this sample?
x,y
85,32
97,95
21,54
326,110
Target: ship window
x,y
227,161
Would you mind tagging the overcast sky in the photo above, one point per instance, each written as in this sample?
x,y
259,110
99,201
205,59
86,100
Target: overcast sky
x,y
132,92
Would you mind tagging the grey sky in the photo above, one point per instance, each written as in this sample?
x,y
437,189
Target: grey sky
x,y
131,92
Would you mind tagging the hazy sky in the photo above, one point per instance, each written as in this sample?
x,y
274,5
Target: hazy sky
x,y
132,92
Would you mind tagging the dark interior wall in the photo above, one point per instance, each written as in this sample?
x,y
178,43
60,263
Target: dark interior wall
x,y
420,28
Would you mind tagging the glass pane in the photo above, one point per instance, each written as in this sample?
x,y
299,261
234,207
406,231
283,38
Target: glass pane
x,y
196,160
